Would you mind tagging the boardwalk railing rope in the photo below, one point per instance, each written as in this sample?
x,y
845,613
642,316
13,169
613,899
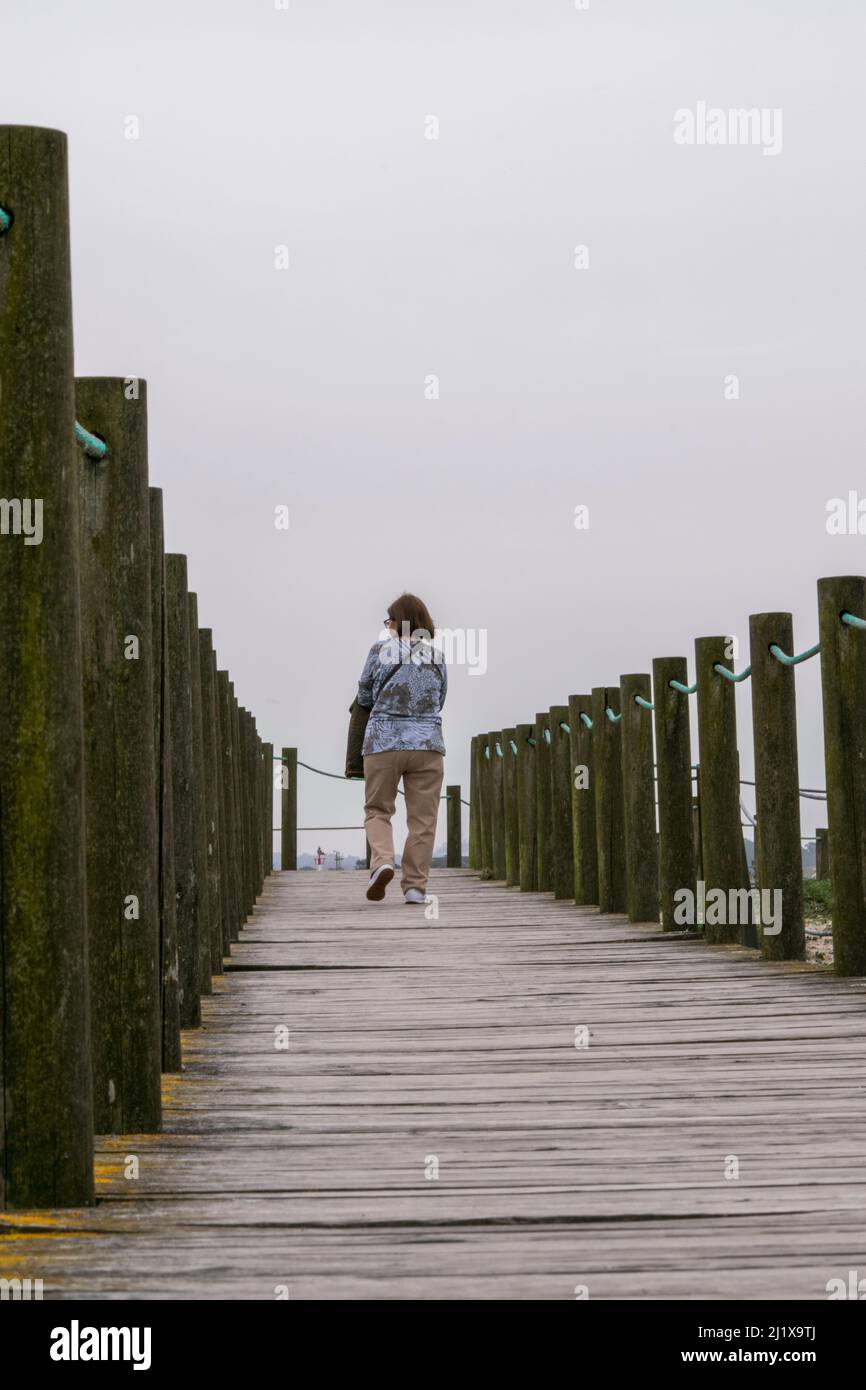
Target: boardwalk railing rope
x,y
591,788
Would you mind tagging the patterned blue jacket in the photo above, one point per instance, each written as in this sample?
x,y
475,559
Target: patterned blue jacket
x,y
403,684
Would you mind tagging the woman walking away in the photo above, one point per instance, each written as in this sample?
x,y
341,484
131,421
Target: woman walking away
x,y
403,685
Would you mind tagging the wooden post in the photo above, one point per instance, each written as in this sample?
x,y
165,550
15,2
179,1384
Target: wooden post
x,y
778,850
843,684
46,1099
721,832
232,831
639,810
561,835
240,774
454,857
497,806
289,810
674,770
211,799
199,800
527,807
120,803
544,810
170,1001
584,852
609,810
822,854
474,836
225,922
269,789
512,809
486,806
187,885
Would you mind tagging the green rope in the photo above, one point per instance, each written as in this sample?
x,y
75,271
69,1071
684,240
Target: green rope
x,y
487,753
530,740
793,660
547,736
683,689
498,749
5,221
853,621
513,746
586,719
644,704
731,676
564,727
94,448
614,718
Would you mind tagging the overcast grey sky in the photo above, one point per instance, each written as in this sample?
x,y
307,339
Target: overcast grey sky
x,y
408,257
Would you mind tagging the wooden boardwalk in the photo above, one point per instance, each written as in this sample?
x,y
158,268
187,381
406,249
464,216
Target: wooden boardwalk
x,y
558,1166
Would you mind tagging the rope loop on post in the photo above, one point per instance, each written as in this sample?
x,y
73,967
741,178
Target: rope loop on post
x,y
513,746
566,728
614,718
644,704
683,689
732,675
547,736
776,651
498,749
94,448
5,221
487,752
531,741
853,621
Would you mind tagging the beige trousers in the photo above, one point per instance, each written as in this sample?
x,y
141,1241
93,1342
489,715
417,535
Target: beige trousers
x,y
422,774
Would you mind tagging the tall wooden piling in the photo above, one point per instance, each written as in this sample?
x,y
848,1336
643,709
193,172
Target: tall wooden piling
x,y
170,1004
561,837
120,803
454,850
211,797
186,858
721,832
584,852
512,808
289,809
486,836
497,804
609,810
671,718
232,833
778,849
225,922
822,854
527,805
544,810
639,812
46,1100
843,684
199,800
474,857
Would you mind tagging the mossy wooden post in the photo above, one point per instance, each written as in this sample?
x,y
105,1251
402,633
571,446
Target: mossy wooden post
x,y
171,1049
231,838
609,812
721,832
778,849
211,799
638,790
674,770
119,777
46,1100
843,683
269,789
225,923
256,759
245,739
199,799
561,836
239,773
474,849
527,806
822,854
497,805
187,886
289,809
584,852
696,826
544,812
485,838
454,844
512,808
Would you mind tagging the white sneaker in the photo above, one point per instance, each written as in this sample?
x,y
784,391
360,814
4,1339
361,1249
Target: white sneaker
x,y
379,880
414,895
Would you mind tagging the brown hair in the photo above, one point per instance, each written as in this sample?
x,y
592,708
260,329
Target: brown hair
x,y
411,616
